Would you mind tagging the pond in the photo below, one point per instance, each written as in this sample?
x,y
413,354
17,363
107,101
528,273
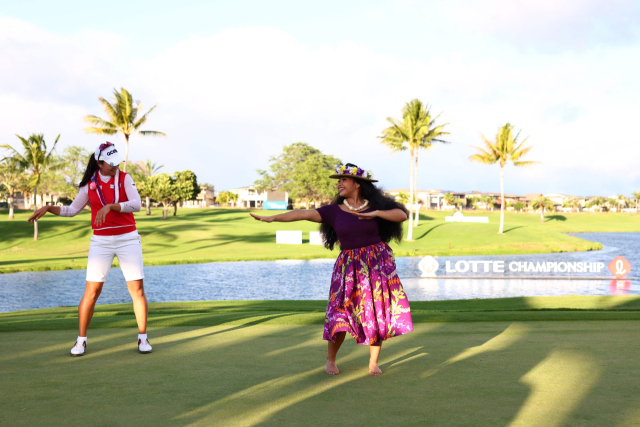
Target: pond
x,y
292,279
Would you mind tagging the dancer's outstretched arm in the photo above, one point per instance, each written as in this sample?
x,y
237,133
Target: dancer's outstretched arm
x,y
297,215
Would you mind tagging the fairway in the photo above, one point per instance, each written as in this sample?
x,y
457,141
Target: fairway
x,y
208,235
261,363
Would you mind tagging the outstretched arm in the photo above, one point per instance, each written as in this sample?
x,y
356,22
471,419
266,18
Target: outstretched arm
x,y
298,215
77,205
393,215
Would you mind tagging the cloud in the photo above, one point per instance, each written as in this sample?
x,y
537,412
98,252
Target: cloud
x,y
549,26
231,100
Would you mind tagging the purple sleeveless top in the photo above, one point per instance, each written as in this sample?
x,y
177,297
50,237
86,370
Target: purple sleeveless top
x,y
352,232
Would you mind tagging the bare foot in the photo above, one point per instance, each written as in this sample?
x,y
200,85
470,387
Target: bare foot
x,y
373,369
331,368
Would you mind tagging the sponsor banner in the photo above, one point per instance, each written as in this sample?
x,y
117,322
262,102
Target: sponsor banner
x,y
430,267
274,205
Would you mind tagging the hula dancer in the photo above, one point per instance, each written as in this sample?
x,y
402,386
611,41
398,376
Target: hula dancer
x,y
366,298
113,198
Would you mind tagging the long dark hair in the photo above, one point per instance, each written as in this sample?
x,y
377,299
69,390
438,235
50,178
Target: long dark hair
x,y
377,201
92,167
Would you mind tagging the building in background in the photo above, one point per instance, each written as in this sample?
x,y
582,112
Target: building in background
x,y
203,200
251,197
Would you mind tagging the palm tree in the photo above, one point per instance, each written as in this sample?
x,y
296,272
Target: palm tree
x,y
542,203
488,202
146,169
123,118
621,202
505,148
448,197
10,179
636,195
416,131
35,160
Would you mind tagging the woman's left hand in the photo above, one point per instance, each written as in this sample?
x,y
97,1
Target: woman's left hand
x,y
102,213
366,215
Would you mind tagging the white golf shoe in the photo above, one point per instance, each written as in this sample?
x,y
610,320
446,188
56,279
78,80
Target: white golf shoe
x,y
79,348
144,347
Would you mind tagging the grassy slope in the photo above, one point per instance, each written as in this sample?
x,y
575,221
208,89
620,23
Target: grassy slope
x,y
204,235
243,370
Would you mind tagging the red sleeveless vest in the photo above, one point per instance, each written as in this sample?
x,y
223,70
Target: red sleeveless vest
x,y
116,223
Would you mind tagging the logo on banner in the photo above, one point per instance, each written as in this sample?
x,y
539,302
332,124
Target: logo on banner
x,y
619,267
428,265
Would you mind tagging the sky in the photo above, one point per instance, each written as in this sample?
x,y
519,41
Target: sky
x,y
234,82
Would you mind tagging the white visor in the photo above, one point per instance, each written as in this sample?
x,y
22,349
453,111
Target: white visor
x,y
109,155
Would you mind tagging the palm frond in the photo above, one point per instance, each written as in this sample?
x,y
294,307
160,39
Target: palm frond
x,y
111,111
151,133
101,131
143,119
97,121
525,163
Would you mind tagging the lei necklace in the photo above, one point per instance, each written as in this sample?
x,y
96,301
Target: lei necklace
x,y
94,185
364,205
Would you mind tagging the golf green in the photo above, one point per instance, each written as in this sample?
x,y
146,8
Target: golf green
x,y
261,363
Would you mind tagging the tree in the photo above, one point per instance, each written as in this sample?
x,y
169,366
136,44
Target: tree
x,y
310,179
224,197
542,203
416,131
472,202
185,187
10,179
518,206
122,118
596,202
505,148
161,186
571,202
488,202
448,197
141,171
636,195
302,171
35,159
402,198
621,202
73,164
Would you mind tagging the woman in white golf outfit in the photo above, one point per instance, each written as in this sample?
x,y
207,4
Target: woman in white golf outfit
x,y
113,198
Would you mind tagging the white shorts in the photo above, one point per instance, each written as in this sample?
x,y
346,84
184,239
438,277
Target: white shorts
x,y
127,247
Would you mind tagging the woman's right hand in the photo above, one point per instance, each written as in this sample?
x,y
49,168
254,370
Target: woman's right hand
x,y
262,218
38,214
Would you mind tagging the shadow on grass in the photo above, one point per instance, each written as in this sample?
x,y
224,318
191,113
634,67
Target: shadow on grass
x,y
555,218
430,230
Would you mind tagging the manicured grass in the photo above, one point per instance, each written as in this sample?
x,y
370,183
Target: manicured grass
x,y
286,313
206,235
260,363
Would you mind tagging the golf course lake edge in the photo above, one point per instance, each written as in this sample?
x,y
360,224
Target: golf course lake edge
x,y
309,280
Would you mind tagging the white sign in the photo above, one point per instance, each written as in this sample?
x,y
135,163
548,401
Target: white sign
x,y
459,217
315,238
474,266
289,237
428,265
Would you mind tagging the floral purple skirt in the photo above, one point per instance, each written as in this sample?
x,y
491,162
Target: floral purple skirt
x,y
367,299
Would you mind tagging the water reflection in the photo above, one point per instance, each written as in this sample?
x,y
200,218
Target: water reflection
x,y
442,289
295,279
